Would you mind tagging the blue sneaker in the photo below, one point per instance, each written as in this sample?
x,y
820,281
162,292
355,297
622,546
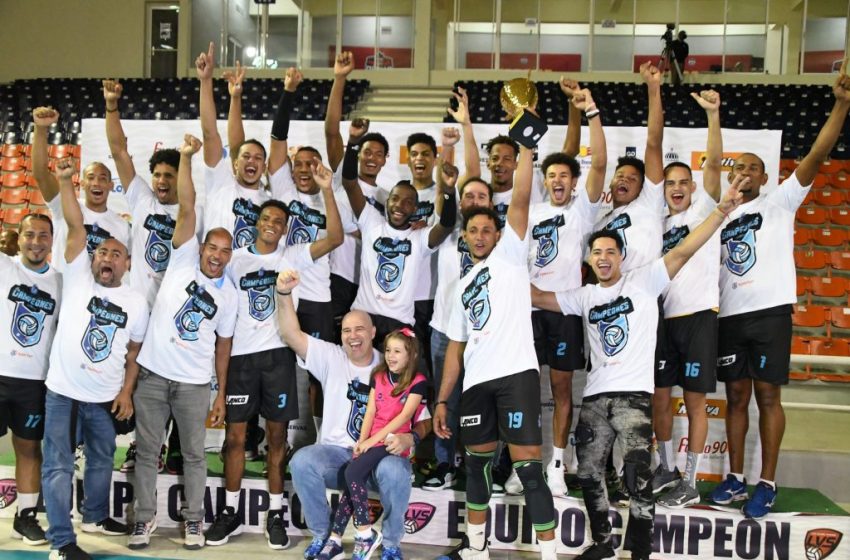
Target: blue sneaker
x,y
363,548
728,491
391,553
762,501
314,548
331,551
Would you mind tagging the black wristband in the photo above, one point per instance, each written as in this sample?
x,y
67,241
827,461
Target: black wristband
x,y
438,403
283,293
349,162
448,215
280,126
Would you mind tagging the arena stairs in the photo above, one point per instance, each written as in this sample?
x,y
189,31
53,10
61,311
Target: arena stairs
x,y
398,104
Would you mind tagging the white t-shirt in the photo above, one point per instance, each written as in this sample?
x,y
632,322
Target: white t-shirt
x,y
425,211
96,325
620,322
502,200
555,234
345,259
190,310
255,276
235,208
491,312
31,309
391,262
153,228
639,225
695,286
757,251
453,262
100,226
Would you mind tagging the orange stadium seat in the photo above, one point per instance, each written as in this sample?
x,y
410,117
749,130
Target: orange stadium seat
x,y
840,260
12,163
800,345
839,216
809,316
13,197
13,216
829,347
802,285
60,151
840,317
35,209
821,181
34,196
841,181
12,150
802,236
831,166
831,286
828,237
17,179
811,215
828,197
812,260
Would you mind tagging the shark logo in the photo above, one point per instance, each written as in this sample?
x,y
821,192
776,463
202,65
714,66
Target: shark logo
x,y
95,235
197,307
158,244
32,306
673,237
358,394
466,263
476,299
246,214
392,254
546,235
620,224
739,240
260,288
304,224
612,324
105,320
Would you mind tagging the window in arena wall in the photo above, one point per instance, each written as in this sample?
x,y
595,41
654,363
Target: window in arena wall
x,y
824,35
613,44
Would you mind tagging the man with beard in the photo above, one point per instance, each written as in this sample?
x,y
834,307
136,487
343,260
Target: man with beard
x,y
92,374
30,310
95,181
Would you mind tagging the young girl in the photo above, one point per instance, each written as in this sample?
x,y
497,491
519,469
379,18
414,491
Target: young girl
x,y
396,393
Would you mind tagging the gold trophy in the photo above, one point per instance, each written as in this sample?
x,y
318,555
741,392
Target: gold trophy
x,y
519,100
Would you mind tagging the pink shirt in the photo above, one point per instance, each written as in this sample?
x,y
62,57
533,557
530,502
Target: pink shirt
x,y
388,407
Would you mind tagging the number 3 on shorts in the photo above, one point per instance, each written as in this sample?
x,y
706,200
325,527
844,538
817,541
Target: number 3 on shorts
x,y
281,398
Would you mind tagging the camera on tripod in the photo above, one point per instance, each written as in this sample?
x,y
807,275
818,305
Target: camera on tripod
x,y
668,35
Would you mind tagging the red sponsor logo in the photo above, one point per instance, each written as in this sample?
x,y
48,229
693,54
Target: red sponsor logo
x,y
417,516
8,492
820,543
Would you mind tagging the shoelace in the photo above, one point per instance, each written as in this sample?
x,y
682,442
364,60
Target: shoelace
x,y
193,528
361,546
140,528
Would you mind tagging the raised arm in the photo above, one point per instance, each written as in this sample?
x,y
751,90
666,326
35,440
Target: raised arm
x,y
71,211
449,137
204,65
583,102
235,128
471,156
710,101
278,154
343,66
324,178
446,181
828,135
184,229
350,183
521,197
287,318
43,117
115,134
653,157
679,256
572,140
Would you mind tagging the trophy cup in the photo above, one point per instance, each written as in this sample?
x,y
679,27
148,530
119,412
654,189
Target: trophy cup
x,y
519,99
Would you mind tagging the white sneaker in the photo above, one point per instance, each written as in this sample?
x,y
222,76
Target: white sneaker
x,y
513,486
141,536
193,535
555,480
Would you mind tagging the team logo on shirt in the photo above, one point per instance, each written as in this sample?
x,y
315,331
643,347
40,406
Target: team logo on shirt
x,y
620,224
739,236
424,210
476,299
391,256
304,224
95,235
612,322
358,394
673,237
247,213
466,263
199,305
105,320
546,235
502,212
260,288
31,307
158,244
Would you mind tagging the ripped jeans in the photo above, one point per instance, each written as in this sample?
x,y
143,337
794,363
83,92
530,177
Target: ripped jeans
x,y
626,417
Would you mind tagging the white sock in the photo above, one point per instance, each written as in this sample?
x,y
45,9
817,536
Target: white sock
x,y
692,467
738,476
231,499
476,535
27,501
337,539
317,422
275,502
770,483
548,549
364,533
665,453
557,457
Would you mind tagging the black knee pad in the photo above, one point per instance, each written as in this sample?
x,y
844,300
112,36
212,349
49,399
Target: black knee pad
x,y
538,497
478,479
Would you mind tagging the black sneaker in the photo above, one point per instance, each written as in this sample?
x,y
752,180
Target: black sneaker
x,y
227,524
26,528
597,551
107,526
129,464
69,552
275,531
442,477
174,462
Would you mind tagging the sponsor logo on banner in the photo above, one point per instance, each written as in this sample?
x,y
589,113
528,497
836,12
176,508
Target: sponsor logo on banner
x,y
820,543
8,492
671,156
631,151
417,516
727,160
714,408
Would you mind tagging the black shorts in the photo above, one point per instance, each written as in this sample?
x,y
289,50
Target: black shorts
x,y
22,407
690,353
506,409
660,337
263,382
755,346
317,320
343,293
558,340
